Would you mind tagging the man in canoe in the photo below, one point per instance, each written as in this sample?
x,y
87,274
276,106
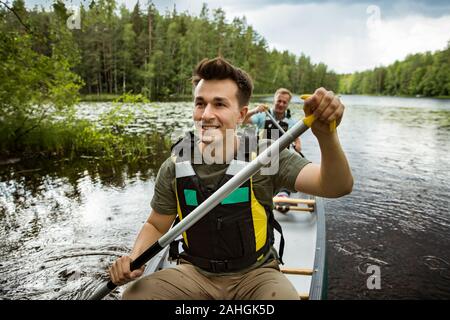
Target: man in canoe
x,y
280,111
228,254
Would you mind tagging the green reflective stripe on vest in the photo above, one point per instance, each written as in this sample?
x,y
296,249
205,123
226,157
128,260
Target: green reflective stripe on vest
x,y
237,196
191,197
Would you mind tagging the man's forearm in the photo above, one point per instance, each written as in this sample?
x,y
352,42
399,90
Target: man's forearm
x,y
147,236
248,116
335,175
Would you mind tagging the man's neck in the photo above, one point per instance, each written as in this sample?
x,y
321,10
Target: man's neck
x,y
278,116
219,152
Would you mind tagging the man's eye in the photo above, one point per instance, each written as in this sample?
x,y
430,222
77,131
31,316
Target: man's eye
x,y
199,104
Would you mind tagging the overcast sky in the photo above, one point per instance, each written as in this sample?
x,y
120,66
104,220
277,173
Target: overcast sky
x,y
346,35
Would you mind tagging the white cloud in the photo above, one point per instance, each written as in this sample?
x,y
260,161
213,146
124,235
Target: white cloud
x,y
395,39
347,38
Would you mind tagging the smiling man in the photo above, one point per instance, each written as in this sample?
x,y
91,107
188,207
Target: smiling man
x,y
229,253
215,115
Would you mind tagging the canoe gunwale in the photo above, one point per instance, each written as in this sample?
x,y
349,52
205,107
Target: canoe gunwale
x,y
318,281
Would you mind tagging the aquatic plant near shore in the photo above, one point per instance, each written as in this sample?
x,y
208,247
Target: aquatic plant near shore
x,y
107,139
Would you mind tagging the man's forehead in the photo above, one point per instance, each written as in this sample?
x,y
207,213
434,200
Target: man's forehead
x,y
224,89
213,97
283,96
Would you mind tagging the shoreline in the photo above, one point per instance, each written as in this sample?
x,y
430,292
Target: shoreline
x,y
112,97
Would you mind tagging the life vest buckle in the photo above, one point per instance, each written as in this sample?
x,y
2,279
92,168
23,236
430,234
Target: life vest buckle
x,y
219,265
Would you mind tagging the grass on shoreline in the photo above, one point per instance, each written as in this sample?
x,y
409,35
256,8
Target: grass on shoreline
x,y
99,97
81,139
69,137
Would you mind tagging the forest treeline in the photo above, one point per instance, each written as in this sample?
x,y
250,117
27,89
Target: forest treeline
x,y
153,53
422,74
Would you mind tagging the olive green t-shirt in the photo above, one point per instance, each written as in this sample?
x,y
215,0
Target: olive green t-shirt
x,y
264,186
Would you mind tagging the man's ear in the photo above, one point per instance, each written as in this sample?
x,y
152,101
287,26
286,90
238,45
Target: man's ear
x,y
242,112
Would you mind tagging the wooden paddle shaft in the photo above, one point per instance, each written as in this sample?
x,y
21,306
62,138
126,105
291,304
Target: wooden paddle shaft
x,y
293,208
297,271
294,201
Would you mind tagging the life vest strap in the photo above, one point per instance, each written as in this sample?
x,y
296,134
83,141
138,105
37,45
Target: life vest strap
x,y
276,225
219,266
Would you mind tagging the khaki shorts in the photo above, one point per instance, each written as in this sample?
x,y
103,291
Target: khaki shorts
x,y
185,282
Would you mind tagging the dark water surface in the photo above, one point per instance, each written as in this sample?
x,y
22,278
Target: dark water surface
x,y
62,223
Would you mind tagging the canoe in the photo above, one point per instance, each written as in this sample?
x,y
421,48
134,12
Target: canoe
x,y
304,253
304,256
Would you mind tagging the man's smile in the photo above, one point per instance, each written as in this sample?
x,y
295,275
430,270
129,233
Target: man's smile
x,y
210,126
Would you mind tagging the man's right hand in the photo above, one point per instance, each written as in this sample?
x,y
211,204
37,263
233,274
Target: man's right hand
x,y
120,272
260,108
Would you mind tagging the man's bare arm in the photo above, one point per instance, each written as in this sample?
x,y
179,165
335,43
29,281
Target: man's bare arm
x,y
333,177
156,225
154,228
250,113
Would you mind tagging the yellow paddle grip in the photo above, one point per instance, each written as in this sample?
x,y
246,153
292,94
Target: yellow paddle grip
x,y
308,121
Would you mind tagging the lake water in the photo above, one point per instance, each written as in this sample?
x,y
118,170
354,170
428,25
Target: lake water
x,y
62,222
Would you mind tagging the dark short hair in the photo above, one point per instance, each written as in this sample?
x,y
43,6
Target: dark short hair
x,y
221,69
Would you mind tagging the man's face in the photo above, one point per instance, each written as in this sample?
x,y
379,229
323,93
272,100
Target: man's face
x,y
216,109
281,102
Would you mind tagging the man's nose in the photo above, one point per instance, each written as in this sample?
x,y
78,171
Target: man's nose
x,y
208,113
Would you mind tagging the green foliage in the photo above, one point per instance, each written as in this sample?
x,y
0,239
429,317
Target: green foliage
x,y
132,98
39,89
73,139
154,53
70,137
422,74
98,97
123,113
110,140
37,80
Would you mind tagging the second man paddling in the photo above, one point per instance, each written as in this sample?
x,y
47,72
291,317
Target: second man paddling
x,y
280,111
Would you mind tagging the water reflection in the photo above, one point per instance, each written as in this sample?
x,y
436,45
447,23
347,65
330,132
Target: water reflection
x,y
61,230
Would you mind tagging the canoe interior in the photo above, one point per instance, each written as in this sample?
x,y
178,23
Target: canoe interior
x,y
304,235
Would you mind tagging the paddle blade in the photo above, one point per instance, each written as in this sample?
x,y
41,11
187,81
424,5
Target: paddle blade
x,y
103,291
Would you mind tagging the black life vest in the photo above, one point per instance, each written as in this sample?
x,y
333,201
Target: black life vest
x,y
235,234
269,126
